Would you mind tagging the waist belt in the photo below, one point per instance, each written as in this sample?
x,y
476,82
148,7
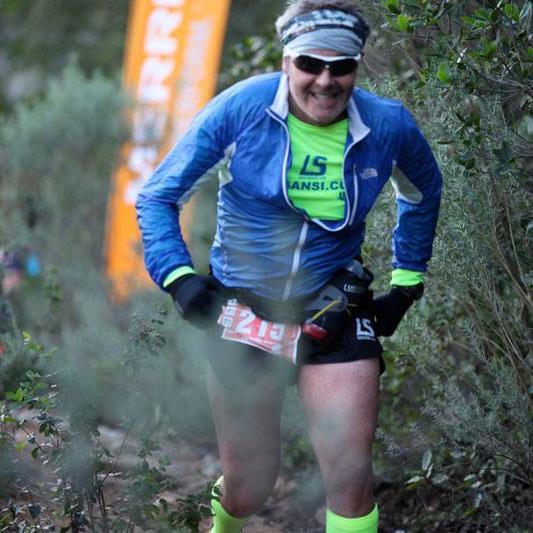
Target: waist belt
x,y
290,311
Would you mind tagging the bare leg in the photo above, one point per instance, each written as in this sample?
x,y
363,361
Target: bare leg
x,y
341,401
247,422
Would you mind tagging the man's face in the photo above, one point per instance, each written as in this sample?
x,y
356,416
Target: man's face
x,y
319,99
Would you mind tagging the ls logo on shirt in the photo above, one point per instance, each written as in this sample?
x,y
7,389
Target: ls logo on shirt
x,y
318,167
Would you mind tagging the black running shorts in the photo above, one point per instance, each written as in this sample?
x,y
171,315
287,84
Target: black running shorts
x,y
236,363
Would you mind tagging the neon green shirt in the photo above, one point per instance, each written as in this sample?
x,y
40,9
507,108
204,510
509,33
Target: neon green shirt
x,y
315,179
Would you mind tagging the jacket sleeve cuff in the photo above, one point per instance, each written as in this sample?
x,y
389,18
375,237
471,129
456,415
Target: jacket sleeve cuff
x,y
178,273
402,277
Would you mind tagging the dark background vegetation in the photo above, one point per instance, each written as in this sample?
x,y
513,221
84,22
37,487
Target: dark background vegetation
x,y
453,450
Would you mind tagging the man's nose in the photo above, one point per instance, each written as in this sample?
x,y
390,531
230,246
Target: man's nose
x,y
324,79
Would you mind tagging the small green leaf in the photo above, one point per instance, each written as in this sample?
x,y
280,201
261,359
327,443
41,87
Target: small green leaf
x,y
404,23
470,21
512,11
17,396
490,47
393,6
443,72
21,445
483,13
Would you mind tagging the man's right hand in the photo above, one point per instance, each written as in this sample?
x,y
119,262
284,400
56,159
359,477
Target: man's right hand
x,y
195,298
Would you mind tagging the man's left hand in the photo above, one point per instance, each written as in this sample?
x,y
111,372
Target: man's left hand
x,y
390,308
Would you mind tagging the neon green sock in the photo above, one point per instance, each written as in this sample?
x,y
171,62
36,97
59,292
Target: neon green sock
x,y
362,524
223,522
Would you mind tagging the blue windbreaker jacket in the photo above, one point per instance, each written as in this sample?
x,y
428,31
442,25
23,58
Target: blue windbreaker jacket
x,y
263,243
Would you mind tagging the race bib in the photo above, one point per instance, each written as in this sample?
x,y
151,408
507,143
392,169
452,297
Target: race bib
x,y
242,325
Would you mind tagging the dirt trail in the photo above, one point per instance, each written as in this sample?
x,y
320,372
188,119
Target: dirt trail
x,y
295,506
290,508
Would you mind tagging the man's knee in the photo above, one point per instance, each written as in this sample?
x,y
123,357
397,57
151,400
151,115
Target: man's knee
x,y
243,497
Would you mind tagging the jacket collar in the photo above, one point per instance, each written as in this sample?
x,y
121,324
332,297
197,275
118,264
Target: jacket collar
x,y
280,106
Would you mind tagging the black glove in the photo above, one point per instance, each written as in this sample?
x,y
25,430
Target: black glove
x,y
329,312
196,298
390,308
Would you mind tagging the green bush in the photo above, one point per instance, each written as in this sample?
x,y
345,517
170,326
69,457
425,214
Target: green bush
x,y
60,152
471,345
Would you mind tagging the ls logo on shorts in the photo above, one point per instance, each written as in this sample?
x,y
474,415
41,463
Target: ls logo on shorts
x,y
364,330
242,325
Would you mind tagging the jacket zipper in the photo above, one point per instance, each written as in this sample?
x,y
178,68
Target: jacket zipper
x,y
355,192
295,261
303,232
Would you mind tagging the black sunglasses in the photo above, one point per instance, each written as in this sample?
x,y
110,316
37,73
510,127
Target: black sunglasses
x,y
314,64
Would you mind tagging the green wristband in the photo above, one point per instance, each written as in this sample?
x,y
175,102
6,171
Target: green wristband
x,y
406,278
178,273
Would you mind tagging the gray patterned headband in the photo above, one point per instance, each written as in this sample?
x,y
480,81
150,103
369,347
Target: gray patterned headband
x,y
325,28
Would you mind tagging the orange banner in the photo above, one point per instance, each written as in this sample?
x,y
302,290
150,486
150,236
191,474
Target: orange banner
x,y
171,64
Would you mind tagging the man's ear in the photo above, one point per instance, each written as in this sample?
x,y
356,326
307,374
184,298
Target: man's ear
x,y
285,63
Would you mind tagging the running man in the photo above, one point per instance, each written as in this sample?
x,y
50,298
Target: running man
x,y
302,155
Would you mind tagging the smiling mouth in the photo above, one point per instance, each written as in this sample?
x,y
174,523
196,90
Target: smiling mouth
x,y
324,96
